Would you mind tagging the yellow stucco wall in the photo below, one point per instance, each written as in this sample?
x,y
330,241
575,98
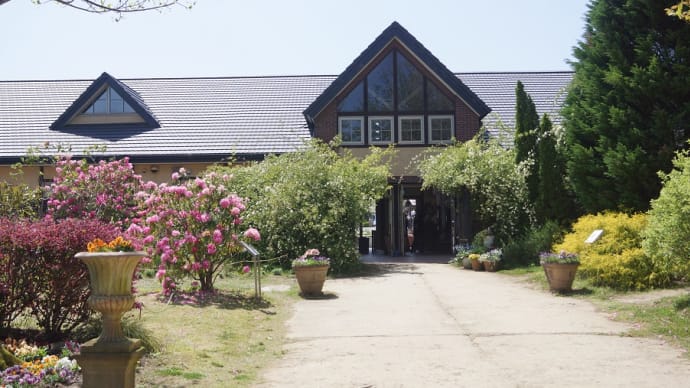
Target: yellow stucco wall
x,y
157,172
404,162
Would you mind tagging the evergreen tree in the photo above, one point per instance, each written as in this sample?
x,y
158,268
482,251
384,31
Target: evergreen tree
x,y
554,201
526,124
628,107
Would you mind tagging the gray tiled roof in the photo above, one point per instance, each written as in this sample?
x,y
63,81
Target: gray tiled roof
x,y
547,89
210,118
200,118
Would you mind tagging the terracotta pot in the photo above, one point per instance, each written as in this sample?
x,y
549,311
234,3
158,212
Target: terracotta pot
x,y
477,265
311,278
110,276
490,266
560,276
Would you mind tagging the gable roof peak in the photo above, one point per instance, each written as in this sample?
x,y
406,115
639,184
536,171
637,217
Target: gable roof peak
x,y
396,31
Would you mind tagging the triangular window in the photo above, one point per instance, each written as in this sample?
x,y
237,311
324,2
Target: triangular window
x,y
109,102
354,102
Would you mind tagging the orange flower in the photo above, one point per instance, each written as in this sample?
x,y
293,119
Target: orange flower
x,y
97,245
117,245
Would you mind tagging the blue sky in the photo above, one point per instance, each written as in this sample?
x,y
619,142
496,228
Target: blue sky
x,y
296,37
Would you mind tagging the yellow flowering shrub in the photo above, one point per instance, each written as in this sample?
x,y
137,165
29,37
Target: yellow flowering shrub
x,y
616,259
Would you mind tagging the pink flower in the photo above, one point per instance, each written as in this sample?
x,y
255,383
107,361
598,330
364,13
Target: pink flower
x,y
246,269
225,203
148,239
217,236
253,234
211,248
235,211
152,219
175,176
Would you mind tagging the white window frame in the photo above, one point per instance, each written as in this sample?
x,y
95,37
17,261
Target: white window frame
x,y
388,118
431,129
421,129
340,129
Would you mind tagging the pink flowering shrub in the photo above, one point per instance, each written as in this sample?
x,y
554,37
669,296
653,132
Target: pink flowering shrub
x,y
40,275
107,191
194,228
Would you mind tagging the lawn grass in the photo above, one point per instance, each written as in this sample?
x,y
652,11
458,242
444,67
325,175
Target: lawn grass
x,y
665,317
219,341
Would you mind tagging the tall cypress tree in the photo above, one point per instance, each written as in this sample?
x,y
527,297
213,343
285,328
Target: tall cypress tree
x,y
526,126
554,201
628,107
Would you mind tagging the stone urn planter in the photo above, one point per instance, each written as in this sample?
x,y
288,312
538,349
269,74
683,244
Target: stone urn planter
x,y
110,359
311,279
560,276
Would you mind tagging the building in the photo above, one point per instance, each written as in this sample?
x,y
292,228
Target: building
x,y
394,92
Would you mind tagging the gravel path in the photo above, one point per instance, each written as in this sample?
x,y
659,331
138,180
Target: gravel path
x,y
433,325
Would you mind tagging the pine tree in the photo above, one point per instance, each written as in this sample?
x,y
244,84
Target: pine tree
x,y
628,108
526,124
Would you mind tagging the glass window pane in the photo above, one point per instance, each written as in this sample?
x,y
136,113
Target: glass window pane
x,y
380,86
351,130
411,129
441,128
99,106
116,102
354,102
381,129
437,101
410,86
127,108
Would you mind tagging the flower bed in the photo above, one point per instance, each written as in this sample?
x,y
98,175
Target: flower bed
x,y
39,368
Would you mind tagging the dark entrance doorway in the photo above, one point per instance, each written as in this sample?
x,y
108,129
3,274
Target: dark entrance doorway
x,y
412,221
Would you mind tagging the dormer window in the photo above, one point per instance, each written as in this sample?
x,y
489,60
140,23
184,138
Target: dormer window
x,y
109,102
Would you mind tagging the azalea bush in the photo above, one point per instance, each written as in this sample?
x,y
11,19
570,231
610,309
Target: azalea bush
x,y
317,196
107,191
488,172
193,229
41,276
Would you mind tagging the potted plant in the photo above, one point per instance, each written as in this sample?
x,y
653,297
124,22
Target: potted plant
x,y
462,257
560,269
491,259
311,269
474,260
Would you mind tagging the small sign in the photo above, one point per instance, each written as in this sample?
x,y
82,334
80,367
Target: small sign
x,y
250,248
594,236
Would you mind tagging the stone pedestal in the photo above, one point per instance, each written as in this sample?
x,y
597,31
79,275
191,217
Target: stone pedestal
x,y
110,360
107,369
